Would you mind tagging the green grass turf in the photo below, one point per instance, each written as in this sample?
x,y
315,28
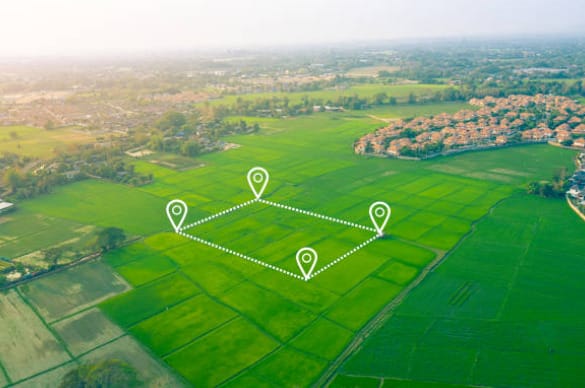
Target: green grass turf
x,y
146,269
38,142
181,324
224,352
24,231
415,110
103,204
401,92
144,302
503,310
70,291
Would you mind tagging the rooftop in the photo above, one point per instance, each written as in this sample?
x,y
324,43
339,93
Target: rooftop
x,y
5,205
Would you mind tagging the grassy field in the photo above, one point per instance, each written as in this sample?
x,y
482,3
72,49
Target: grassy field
x,y
39,142
173,161
498,312
264,320
28,347
400,92
217,319
414,110
27,232
67,292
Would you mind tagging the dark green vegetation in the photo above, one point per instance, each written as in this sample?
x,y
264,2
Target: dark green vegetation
x,y
106,373
503,310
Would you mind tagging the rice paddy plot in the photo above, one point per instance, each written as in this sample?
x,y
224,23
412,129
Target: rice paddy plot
x,y
28,346
67,292
86,331
503,309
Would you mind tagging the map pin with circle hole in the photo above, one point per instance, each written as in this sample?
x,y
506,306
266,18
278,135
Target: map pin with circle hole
x,y
258,179
177,212
307,260
380,214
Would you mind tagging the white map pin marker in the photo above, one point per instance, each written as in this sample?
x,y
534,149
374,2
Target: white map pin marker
x,y
307,260
258,179
177,212
380,214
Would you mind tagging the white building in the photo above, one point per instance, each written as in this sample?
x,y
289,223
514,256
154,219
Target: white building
x,y
5,206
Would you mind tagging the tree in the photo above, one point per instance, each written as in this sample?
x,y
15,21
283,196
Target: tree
x,y
49,125
380,98
156,143
171,120
13,135
52,255
190,148
533,188
412,98
110,238
102,374
13,179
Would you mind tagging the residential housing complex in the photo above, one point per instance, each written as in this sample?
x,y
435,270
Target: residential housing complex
x,y
494,122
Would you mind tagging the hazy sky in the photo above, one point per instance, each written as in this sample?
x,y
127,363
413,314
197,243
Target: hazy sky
x,y
73,26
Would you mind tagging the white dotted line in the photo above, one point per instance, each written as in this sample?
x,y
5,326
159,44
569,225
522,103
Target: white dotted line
x,y
317,215
221,213
238,254
345,255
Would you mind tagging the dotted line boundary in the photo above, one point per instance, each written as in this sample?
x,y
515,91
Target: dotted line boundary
x,y
182,230
345,255
240,255
317,215
217,215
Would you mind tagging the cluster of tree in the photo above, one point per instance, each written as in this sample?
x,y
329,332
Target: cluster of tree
x,y
550,189
117,170
282,106
190,135
424,151
21,185
26,179
110,238
105,240
102,374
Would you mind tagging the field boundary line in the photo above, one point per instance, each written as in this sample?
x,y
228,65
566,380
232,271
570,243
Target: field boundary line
x,y
387,311
73,361
181,231
240,255
217,215
47,325
196,338
317,215
5,374
345,255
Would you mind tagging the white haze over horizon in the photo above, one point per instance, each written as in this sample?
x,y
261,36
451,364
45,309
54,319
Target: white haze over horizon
x,y
63,27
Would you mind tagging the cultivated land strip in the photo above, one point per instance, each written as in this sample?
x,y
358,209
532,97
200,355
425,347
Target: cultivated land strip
x,y
386,313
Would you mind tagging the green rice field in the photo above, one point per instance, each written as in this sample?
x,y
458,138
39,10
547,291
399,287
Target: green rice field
x,y
214,319
498,312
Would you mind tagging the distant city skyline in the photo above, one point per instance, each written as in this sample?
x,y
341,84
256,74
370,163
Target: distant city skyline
x,y
57,27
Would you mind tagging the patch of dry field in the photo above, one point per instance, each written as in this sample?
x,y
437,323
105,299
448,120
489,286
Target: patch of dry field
x,y
26,344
